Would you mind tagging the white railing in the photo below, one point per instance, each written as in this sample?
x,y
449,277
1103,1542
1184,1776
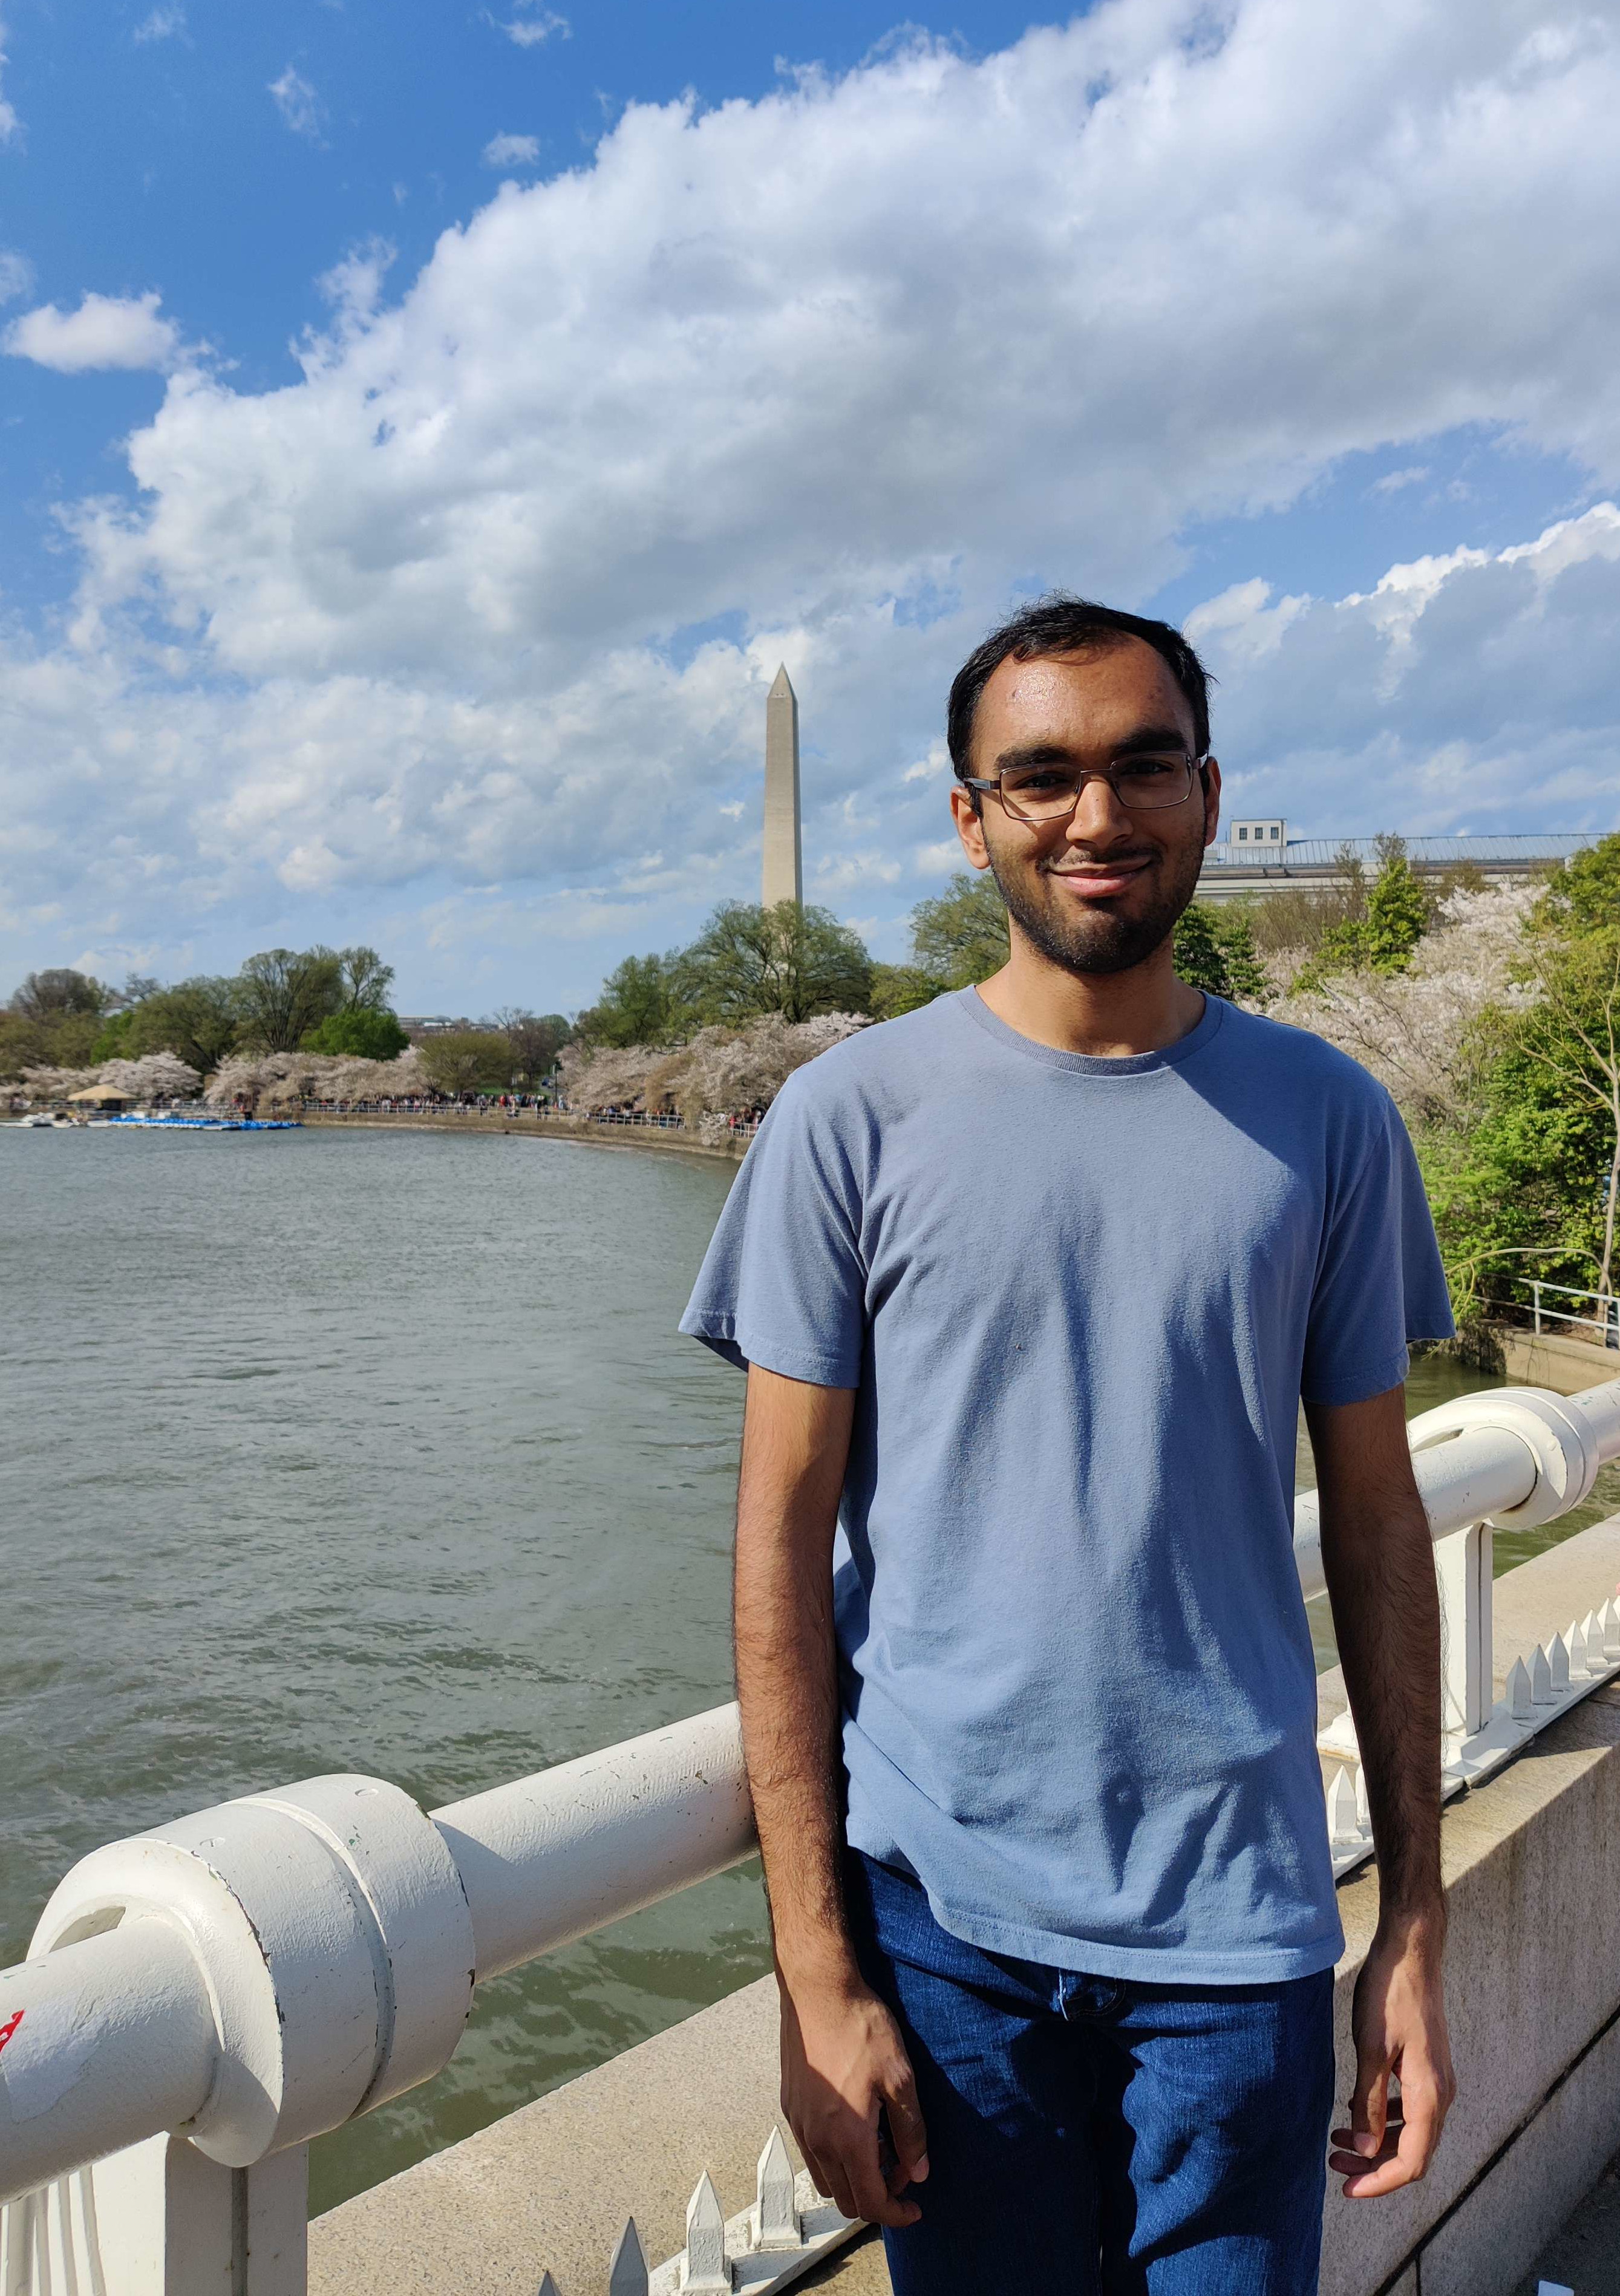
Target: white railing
x,y
1605,1323
275,1966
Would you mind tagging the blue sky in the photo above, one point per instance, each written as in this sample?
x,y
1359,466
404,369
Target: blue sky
x,y
472,405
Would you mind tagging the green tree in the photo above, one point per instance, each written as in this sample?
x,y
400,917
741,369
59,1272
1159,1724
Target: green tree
x,y
638,1005
536,1039
466,1060
112,1037
960,937
24,1045
363,1034
283,993
59,992
1584,895
1214,951
1200,960
792,960
364,980
196,1019
898,988
1398,913
1246,976
1379,931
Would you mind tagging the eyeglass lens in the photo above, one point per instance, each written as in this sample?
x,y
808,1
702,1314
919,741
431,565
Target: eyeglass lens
x,y
1042,792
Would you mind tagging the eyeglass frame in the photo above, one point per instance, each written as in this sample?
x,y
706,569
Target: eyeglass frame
x,y
1196,766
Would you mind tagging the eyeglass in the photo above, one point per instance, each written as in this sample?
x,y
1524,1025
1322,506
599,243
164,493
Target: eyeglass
x,y
1049,791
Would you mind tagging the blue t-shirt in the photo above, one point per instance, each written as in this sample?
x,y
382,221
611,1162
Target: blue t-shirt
x,y
1080,1300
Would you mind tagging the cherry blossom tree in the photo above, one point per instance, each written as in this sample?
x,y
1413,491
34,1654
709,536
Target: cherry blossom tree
x,y
1416,1031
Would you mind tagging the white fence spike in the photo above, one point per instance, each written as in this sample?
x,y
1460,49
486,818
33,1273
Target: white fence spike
x,y
626,2275
1363,1808
705,2268
1341,1808
1519,1702
1592,1635
776,2218
1610,1615
1576,1640
1541,1678
549,2286
1558,1660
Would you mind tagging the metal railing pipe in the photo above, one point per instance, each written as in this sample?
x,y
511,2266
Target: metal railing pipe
x,y
101,2044
1481,1473
549,1857
1518,1457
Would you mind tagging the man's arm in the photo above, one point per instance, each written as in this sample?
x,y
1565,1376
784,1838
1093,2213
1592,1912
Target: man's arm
x,y
1379,1563
842,2059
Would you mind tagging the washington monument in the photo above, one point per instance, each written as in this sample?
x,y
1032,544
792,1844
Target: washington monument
x,y
781,878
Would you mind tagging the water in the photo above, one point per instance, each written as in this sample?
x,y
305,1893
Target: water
x,y
372,1450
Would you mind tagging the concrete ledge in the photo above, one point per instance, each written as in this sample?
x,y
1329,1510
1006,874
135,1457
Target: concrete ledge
x,y
546,1128
1563,1361
1533,1870
549,2186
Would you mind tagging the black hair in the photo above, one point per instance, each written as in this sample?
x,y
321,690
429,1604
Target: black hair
x,y
1059,623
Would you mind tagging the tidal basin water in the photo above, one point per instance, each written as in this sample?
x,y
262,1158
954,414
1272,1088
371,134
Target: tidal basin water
x,y
369,1450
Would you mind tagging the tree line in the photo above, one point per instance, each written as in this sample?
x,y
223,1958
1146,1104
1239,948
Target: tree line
x,y
333,1002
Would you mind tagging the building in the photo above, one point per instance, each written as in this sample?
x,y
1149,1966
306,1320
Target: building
x,y
1269,832
1258,857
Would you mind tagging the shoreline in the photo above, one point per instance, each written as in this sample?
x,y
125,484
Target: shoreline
x,y
579,1129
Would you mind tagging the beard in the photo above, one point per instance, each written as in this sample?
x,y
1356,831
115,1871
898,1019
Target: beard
x,y
1092,939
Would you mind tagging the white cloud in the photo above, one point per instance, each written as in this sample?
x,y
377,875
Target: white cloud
x,y
106,331
1394,482
16,275
835,373
533,29
512,150
1478,691
300,106
164,23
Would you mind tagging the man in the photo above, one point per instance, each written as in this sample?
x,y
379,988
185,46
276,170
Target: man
x,y
1029,1285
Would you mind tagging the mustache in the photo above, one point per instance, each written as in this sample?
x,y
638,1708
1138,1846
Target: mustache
x,y
1076,863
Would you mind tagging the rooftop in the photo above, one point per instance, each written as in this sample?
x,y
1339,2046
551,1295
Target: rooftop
x,y
1422,852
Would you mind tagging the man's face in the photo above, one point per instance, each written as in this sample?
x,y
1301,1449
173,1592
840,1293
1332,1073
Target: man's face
x,y
1100,892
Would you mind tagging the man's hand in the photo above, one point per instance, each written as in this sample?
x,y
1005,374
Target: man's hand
x,y
843,2064
1399,2026
1380,1568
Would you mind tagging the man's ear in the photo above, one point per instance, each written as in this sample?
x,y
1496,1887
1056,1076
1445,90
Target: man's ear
x,y
1212,801
970,828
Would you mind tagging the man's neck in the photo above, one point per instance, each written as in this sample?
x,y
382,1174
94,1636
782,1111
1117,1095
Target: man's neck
x,y
1105,1015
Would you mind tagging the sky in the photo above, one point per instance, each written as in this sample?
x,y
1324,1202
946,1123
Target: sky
x,y
424,429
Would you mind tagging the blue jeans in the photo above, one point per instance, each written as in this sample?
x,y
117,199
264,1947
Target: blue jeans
x,y
1091,2134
